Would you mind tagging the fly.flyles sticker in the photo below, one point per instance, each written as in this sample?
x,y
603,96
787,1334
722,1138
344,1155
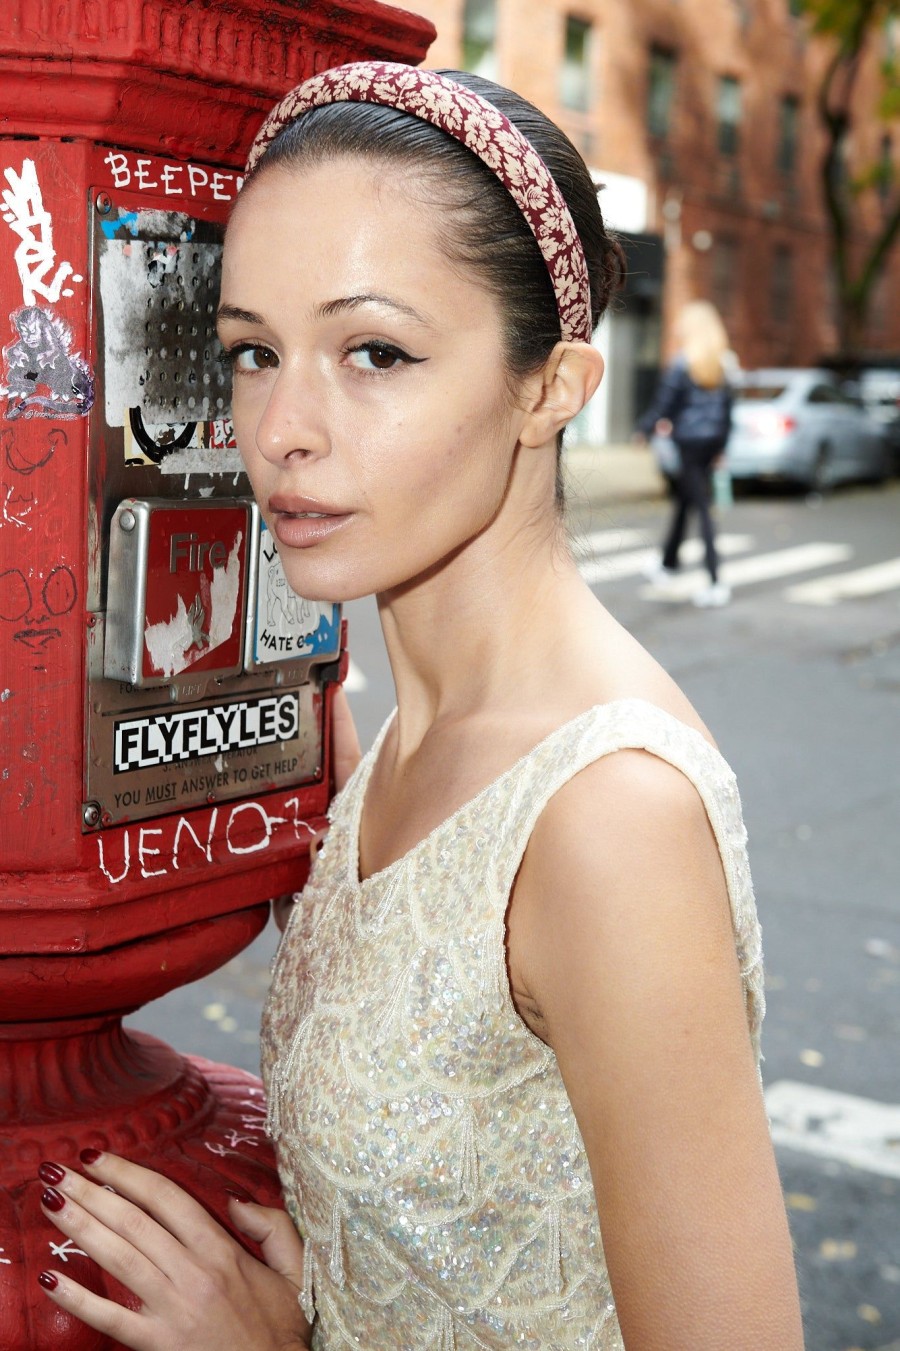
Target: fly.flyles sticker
x,y
191,733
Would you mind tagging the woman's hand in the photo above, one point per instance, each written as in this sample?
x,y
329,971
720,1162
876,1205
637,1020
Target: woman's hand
x,y
345,748
345,756
199,1289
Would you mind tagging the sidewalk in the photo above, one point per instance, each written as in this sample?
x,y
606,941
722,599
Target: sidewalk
x,y
610,475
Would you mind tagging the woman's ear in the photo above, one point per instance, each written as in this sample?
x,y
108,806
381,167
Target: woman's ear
x,y
560,390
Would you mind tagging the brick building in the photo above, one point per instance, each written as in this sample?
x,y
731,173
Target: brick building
x,y
699,116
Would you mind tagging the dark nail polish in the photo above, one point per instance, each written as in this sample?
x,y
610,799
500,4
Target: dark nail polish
x,y
48,1280
51,1173
89,1156
237,1196
52,1199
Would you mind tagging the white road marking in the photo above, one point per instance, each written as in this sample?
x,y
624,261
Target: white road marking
x,y
637,561
834,1125
606,542
847,585
356,682
759,568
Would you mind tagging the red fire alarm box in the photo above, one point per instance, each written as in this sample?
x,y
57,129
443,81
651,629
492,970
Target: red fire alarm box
x,y
164,696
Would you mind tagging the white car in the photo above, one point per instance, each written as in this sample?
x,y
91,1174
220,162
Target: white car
x,y
803,427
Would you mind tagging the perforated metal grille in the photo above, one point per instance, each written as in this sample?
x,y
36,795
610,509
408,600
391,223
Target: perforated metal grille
x,y
183,376
162,355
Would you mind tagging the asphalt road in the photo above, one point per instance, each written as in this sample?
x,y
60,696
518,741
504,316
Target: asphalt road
x,y
800,683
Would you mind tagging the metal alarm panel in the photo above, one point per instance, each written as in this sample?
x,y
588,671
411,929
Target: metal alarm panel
x,y
204,668
176,591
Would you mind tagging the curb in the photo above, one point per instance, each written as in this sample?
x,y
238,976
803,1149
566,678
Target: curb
x,y
611,475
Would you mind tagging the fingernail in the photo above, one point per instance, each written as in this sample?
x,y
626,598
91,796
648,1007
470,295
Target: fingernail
x,y
51,1173
52,1199
237,1196
89,1156
48,1280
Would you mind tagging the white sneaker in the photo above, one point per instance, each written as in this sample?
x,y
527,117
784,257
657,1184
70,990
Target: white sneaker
x,y
716,594
657,573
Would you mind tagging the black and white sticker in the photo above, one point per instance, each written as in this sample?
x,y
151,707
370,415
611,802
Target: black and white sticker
x,y
188,734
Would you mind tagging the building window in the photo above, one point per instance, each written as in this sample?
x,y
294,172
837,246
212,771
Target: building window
x,y
575,75
479,38
782,283
789,121
660,91
724,274
729,114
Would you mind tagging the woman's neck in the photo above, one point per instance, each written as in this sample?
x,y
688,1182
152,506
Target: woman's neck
x,y
480,632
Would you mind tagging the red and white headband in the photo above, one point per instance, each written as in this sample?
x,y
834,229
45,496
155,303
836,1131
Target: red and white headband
x,y
482,128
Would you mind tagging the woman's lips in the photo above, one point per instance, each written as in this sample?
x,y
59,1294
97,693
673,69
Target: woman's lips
x,y
299,524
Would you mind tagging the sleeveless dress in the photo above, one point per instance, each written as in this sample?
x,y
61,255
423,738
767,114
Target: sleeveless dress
x,y
427,1148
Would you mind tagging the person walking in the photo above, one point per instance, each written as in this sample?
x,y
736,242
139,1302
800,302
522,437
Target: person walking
x,y
693,405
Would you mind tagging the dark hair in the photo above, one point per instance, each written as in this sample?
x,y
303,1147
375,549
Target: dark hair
x,y
489,235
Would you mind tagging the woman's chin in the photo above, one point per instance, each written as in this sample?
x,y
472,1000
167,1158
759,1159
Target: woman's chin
x,y
330,590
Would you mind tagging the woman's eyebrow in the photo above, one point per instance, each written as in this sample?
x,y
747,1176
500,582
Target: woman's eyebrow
x,y
225,312
331,307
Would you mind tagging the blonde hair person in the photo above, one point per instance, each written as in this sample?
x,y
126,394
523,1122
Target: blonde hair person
x,y
704,343
692,404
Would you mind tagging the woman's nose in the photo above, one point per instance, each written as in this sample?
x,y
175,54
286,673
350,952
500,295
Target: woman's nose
x,y
293,420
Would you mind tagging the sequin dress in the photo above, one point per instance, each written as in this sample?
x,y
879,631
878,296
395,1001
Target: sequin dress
x,y
427,1148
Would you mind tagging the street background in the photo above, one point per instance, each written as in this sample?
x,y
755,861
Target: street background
x,y
801,688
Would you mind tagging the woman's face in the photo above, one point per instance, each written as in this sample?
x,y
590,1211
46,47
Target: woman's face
x,y
371,403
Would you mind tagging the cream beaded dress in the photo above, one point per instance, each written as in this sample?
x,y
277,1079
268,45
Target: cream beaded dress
x,y
428,1152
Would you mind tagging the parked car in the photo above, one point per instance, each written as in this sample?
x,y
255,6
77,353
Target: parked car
x,y
879,389
803,427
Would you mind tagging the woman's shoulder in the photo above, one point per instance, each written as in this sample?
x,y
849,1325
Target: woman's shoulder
x,y
646,777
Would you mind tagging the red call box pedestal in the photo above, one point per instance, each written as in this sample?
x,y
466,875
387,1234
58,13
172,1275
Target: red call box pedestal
x,y
98,916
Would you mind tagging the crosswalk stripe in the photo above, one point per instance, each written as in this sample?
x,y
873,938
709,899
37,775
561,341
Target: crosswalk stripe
x,y
636,561
606,542
759,568
834,1125
847,585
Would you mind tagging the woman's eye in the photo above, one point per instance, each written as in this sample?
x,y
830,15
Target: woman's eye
x,y
378,356
248,357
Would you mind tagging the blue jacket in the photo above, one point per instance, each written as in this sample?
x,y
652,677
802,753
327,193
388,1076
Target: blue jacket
x,y
696,413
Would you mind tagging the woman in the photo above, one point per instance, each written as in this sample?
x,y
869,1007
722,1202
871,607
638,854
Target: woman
x,y
693,403
510,1047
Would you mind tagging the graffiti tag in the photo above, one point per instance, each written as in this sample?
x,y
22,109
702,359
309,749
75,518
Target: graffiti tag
x,y
24,212
160,848
172,180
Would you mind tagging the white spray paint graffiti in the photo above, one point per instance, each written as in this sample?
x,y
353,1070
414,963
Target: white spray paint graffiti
x,y
172,180
219,843
24,212
16,507
66,1250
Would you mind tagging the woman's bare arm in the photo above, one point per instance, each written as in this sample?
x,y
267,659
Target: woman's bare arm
x,y
620,933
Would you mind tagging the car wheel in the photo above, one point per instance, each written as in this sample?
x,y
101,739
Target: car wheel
x,y
820,482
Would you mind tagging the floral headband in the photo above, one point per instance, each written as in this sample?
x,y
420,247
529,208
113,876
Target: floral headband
x,y
485,131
